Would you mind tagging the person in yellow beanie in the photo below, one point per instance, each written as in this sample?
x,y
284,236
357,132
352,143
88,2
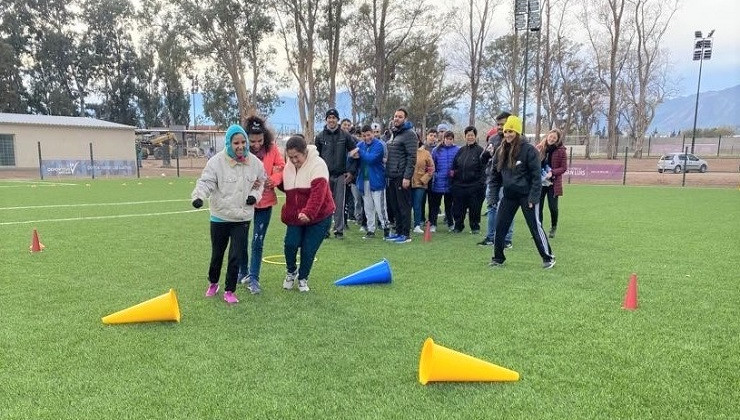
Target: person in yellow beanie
x,y
516,169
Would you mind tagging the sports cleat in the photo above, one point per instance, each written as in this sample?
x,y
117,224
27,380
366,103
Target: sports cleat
x,y
289,280
485,242
402,239
495,264
303,285
212,289
230,297
552,231
369,235
508,245
548,264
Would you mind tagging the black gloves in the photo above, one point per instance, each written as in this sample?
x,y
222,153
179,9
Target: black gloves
x,y
251,200
197,203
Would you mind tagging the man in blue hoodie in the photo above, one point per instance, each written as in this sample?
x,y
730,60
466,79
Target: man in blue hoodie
x,y
399,169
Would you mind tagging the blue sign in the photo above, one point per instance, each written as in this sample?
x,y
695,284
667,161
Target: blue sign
x,y
84,168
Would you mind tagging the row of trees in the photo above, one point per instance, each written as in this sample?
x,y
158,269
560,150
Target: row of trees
x,y
131,65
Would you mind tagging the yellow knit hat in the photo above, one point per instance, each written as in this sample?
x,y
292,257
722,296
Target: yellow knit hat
x,y
513,123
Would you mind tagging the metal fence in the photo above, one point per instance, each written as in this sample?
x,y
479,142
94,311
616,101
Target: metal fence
x,y
705,147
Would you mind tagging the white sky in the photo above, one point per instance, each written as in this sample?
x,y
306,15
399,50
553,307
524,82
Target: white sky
x,y
722,71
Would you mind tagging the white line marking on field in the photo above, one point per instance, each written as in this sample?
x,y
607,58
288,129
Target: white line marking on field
x,y
116,216
48,206
38,184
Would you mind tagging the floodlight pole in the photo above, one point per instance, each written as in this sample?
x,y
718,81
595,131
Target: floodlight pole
x,y
193,90
698,83
531,23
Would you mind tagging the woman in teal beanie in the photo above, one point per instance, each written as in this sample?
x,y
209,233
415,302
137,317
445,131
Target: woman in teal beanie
x,y
233,179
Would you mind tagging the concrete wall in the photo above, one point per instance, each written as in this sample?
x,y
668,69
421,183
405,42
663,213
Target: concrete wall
x,y
68,143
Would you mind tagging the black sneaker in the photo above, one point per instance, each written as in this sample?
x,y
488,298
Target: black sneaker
x,y
339,235
327,236
485,242
552,231
495,264
369,235
508,245
386,232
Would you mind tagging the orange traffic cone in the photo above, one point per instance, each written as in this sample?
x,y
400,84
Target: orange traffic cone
x,y
630,298
427,232
440,364
36,245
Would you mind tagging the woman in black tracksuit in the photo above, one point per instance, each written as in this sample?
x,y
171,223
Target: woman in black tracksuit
x,y
516,168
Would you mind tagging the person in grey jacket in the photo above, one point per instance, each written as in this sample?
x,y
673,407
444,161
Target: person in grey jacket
x,y
399,169
234,180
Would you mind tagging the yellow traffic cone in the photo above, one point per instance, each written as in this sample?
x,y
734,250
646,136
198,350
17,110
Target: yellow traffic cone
x,y
440,364
160,308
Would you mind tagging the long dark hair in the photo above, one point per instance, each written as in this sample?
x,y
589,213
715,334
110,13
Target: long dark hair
x,y
508,152
254,125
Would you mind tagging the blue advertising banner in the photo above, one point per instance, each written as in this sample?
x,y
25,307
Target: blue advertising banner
x,y
84,168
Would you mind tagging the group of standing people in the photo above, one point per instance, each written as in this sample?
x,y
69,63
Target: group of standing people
x,y
391,175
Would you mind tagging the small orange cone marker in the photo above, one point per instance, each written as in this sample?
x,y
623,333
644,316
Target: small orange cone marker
x,y
427,232
160,308
36,245
630,298
440,364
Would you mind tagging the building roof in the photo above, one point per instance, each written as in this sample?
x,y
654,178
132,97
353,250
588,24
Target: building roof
x,y
58,121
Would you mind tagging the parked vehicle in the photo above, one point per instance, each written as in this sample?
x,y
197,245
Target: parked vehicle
x,y
676,161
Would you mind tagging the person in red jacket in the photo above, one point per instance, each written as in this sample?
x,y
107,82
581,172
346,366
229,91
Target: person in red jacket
x,y
261,144
307,210
555,158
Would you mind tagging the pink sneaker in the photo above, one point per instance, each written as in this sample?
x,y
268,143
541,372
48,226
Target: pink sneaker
x,y
212,289
230,297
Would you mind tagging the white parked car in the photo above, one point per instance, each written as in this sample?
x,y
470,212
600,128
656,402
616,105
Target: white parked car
x,y
675,162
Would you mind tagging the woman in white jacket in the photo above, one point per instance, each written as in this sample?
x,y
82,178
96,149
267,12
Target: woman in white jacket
x,y
233,179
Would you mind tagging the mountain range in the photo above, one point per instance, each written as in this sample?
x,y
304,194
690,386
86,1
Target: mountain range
x,y
716,109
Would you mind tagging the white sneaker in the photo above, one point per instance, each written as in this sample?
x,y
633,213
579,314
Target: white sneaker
x,y
362,229
432,228
418,229
289,280
303,285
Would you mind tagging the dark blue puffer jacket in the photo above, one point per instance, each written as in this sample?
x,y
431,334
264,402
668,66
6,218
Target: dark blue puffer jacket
x,y
443,157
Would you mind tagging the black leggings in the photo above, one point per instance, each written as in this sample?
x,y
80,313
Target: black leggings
x,y
507,208
221,234
552,203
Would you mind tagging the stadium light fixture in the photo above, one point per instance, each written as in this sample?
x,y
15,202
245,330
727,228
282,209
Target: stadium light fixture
x,y
702,51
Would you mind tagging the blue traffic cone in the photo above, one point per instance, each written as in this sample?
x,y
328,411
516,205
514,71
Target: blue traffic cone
x,y
376,273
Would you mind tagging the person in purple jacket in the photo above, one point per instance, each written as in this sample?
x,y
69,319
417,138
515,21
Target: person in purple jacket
x,y
443,156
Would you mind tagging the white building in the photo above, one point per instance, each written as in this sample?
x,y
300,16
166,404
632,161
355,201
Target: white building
x,y
61,145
